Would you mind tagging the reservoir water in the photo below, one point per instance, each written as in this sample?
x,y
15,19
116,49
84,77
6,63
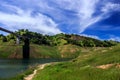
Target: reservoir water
x,y
12,67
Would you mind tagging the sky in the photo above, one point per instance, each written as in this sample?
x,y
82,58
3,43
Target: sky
x,y
99,19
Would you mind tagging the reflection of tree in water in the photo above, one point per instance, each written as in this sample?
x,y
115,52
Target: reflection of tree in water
x,y
25,63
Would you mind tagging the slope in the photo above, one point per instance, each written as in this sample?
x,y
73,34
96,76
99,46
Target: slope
x,y
10,50
86,66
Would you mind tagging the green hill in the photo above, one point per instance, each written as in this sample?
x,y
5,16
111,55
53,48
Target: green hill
x,y
57,40
97,63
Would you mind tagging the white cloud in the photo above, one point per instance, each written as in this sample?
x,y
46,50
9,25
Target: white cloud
x,y
24,19
89,9
109,7
85,10
84,14
114,38
12,8
92,36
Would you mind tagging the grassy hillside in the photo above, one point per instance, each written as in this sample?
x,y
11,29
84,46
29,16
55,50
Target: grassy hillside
x,y
10,50
98,63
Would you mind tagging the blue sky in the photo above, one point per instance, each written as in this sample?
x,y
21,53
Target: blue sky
x,y
93,18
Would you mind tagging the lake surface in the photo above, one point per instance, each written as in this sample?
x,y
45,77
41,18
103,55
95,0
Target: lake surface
x,y
12,67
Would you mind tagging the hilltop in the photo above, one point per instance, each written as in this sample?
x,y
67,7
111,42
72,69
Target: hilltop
x,y
56,40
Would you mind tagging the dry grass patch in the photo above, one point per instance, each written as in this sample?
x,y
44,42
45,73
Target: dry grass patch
x,y
107,66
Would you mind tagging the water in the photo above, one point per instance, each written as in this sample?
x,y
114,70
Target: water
x,y
12,67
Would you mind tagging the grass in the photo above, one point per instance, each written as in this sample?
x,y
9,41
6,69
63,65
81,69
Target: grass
x,y
10,50
84,66
6,52
81,73
42,51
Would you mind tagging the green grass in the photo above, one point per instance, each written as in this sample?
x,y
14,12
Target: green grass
x,y
60,72
44,51
10,50
84,66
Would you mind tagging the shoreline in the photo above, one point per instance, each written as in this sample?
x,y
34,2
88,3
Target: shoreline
x,y
39,67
